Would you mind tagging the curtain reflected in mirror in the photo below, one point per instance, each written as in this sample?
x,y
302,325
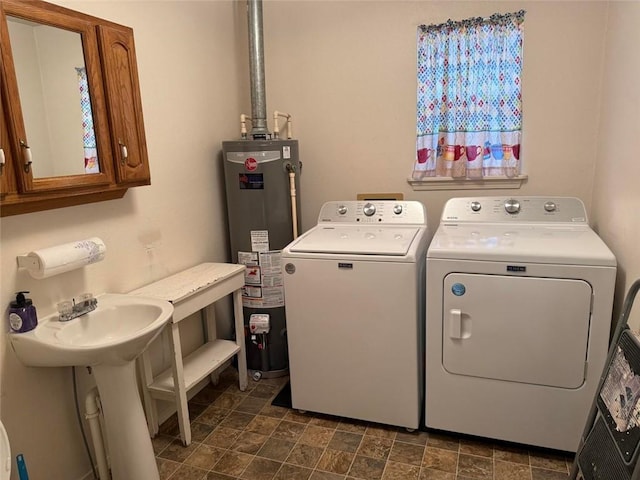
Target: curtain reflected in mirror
x,y
55,98
88,133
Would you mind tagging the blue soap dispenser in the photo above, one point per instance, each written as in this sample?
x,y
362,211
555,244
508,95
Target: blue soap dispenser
x,y
22,314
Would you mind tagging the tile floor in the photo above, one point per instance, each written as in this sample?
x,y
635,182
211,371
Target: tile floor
x,y
240,435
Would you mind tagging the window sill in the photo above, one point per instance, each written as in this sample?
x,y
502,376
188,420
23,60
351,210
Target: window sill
x,y
446,183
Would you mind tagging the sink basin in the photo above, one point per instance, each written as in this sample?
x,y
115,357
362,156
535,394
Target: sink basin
x,y
116,332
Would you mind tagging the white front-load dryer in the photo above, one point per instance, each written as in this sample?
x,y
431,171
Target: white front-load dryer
x,y
519,300
354,300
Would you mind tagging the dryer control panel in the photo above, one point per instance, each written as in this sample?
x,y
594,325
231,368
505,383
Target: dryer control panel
x,y
515,209
395,212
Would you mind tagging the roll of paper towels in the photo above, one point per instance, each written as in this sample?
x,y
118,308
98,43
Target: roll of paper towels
x,y
63,258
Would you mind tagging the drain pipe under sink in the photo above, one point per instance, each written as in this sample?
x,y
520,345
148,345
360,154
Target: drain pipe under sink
x,y
92,414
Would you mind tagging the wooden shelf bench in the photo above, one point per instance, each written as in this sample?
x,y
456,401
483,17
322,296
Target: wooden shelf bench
x,y
192,290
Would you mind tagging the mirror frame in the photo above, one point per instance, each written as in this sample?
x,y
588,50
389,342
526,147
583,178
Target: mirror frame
x,y
68,20
7,175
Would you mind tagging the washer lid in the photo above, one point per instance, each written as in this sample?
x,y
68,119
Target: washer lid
x,y
361,240
5,454
547,243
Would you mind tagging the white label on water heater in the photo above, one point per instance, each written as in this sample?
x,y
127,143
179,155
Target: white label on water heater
x,y
259,240
271,265
253,275
247,258
286,152
264,286
251,292
272,281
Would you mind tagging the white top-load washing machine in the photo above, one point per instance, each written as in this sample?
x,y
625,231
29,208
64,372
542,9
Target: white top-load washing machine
x,y
519,299
354,300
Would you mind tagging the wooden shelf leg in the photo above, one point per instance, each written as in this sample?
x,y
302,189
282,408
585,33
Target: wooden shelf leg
x,y
146,378
180,391
242,354
210,333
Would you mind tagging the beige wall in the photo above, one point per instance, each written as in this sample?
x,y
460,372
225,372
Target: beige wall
x,y
189,67
346,72
616,195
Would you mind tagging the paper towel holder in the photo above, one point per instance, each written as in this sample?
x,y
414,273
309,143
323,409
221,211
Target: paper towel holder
x,y
25,261
62,258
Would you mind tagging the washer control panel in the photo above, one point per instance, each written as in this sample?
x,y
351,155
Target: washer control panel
x,y
374,211
514,209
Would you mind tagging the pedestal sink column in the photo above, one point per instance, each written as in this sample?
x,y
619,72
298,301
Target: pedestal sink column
x,y
130,448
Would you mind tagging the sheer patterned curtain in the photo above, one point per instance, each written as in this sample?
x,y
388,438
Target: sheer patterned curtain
x,y
89,137
469,105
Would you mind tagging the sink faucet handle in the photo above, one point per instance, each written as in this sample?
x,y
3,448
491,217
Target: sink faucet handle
x,y
88,302
65,310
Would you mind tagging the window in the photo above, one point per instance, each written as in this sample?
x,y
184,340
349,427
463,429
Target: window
x,y
469,102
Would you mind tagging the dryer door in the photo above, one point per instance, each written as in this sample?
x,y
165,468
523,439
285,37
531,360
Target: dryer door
x,y
516,329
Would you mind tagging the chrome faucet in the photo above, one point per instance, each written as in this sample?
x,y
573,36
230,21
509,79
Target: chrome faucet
x,y
70,309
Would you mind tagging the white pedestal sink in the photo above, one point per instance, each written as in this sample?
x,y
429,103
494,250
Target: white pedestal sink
x,y
108,339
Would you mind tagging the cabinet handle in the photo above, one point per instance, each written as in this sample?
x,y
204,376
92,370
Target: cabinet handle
x,y
2,160
27,156
124,154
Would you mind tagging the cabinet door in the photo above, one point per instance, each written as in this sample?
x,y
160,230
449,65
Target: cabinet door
x,y
43,47
11,123
124,104
7,175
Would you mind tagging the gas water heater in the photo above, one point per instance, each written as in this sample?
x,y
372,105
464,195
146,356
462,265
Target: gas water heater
x,y
261,178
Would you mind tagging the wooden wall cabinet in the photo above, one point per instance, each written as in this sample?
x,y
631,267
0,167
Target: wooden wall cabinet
x,y
105,51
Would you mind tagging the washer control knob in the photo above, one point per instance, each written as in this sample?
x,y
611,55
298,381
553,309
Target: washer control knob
x,y
369,209
342,210
512,206
550,206
475,206
397,209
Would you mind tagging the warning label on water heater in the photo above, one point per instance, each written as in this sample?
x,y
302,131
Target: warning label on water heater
x,y
259,240
264,287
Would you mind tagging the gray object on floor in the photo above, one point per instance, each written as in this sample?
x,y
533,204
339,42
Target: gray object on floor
x,y
608,448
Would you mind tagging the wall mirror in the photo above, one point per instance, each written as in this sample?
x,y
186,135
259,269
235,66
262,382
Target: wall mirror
x,y
55,98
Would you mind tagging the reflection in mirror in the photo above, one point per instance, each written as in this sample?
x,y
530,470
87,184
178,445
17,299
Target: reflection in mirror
x,y
54,95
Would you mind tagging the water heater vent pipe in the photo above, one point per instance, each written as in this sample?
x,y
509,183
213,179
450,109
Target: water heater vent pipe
x,y
256,71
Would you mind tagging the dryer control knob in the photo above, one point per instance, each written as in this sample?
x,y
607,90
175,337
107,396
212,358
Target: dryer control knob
x,y
369,209
342,210
475,206
512,206
397,209
550,206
